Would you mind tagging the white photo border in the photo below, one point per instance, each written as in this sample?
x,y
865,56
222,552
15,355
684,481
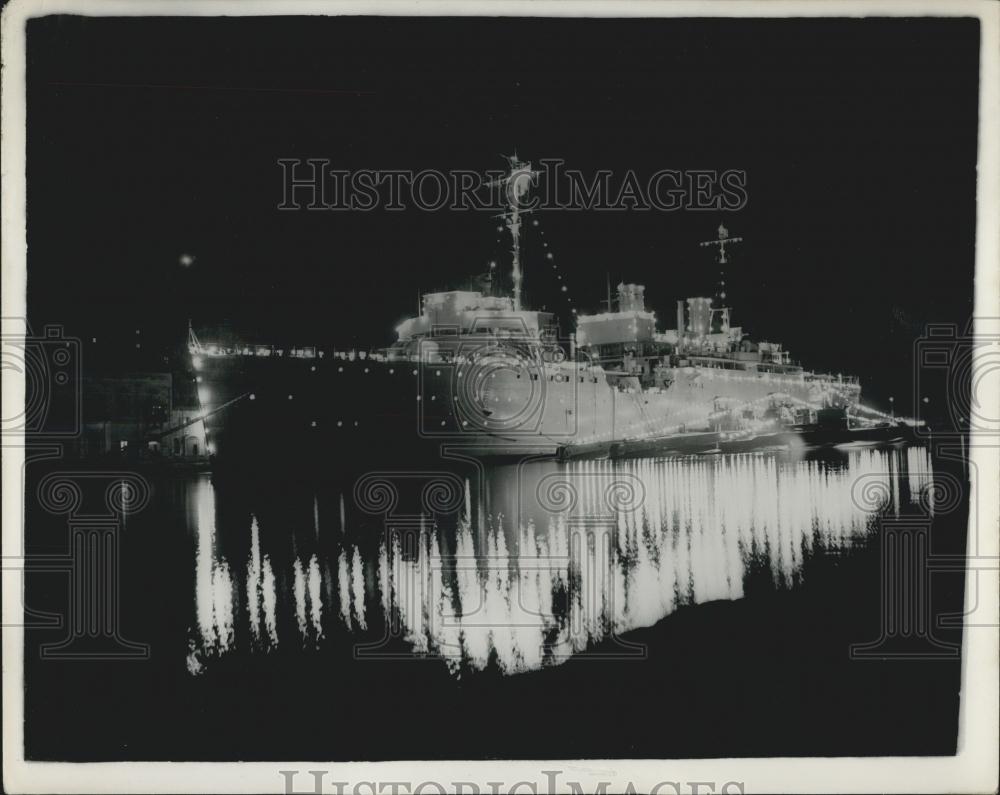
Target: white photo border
x,y
973,769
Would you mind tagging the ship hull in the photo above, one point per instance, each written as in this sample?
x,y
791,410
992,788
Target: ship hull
x,y
356,410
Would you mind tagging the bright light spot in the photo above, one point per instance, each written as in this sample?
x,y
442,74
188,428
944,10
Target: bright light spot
x,y
186,260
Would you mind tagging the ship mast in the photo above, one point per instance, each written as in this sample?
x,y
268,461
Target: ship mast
x,y
194,344
608,299
516,185
722,241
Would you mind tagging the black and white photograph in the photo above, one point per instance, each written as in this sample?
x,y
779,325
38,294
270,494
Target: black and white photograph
x,y
500,383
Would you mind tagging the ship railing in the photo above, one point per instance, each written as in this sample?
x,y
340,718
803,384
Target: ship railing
x,y
218,350
213,349
834,378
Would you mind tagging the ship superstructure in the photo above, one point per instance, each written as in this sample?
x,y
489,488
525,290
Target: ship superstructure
x,y
482,373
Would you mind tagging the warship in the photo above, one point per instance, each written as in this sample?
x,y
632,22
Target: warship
x,y
477,373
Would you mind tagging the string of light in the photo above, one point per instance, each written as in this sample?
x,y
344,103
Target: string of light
x,y
550,258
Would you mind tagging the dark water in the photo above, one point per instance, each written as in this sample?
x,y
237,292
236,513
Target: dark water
x,y
699,606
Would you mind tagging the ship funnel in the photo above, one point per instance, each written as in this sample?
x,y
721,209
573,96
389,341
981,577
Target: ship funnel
x,y
700,316
631,298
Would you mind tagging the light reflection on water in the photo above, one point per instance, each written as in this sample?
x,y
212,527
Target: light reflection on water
x,y
543,561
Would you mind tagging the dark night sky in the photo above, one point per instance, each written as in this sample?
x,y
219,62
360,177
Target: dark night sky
x,y
148,138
